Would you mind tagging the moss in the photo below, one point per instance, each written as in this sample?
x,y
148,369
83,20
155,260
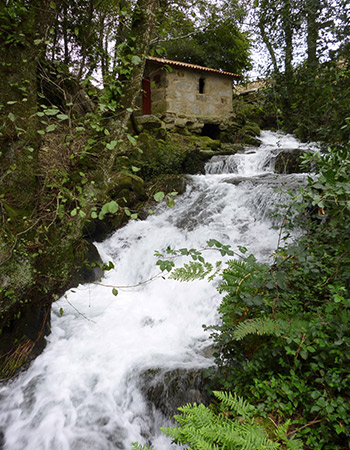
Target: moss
x,y
204,142
167,183
252,129
126,181
158,156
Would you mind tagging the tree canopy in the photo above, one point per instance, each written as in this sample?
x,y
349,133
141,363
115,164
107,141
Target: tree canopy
x,y
222,47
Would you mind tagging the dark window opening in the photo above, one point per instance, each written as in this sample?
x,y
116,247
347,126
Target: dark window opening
x,y
201,85
211,130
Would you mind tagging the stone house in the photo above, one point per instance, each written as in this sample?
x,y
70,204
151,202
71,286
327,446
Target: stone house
x,y
186,90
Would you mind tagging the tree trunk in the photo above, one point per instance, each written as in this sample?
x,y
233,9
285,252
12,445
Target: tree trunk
x,y
139,40
268,46
21,39
39,255
288,39
312,9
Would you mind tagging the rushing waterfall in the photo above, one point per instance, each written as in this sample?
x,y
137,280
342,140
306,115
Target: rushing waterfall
x,y
84,391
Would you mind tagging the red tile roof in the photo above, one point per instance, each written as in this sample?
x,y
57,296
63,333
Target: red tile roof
x,y
191,66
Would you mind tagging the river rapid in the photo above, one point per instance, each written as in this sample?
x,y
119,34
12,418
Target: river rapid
x,y
84,391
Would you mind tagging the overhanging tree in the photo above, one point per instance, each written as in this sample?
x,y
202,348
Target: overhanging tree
x,y
43,211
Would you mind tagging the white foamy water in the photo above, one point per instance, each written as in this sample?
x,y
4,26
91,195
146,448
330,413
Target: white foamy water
x,y
83,392
256,160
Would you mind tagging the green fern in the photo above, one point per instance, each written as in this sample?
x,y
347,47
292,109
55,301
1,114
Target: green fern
x,y
269,326
191,271
281,433
238,274
235,428
235,404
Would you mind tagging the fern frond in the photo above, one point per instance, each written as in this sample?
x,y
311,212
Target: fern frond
x,y
197,416
256,437
194,270
197,439
268,326
236,404
281,434
201,429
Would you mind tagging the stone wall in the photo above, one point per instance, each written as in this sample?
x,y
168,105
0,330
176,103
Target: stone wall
x,y
184,97
189,93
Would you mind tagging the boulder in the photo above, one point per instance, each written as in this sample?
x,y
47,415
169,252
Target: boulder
x,y
167,390
149,122
127,181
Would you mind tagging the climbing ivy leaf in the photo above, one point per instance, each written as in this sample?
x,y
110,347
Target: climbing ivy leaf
x,y
62,116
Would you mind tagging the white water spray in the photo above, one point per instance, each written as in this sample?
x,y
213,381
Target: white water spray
x,y
83,392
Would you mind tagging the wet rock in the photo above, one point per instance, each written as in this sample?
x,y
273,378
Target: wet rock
x,y
272,180
90,270
23,338
130,182
167,390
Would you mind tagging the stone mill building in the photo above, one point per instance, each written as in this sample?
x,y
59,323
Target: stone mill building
x,y
180,93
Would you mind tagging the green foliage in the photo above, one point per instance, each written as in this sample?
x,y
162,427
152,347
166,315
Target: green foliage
x,y
234,426
222,47
284,341
315,105
137,446
59,141
192,271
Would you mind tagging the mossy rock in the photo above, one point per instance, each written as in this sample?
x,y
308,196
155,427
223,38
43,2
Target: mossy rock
x,y
123,162
247,139
149,122
152,125
159,156
127,181
204,142
252,129
195,161
150,145
167,183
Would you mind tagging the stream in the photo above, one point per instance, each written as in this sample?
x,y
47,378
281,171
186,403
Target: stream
x,y
86,391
